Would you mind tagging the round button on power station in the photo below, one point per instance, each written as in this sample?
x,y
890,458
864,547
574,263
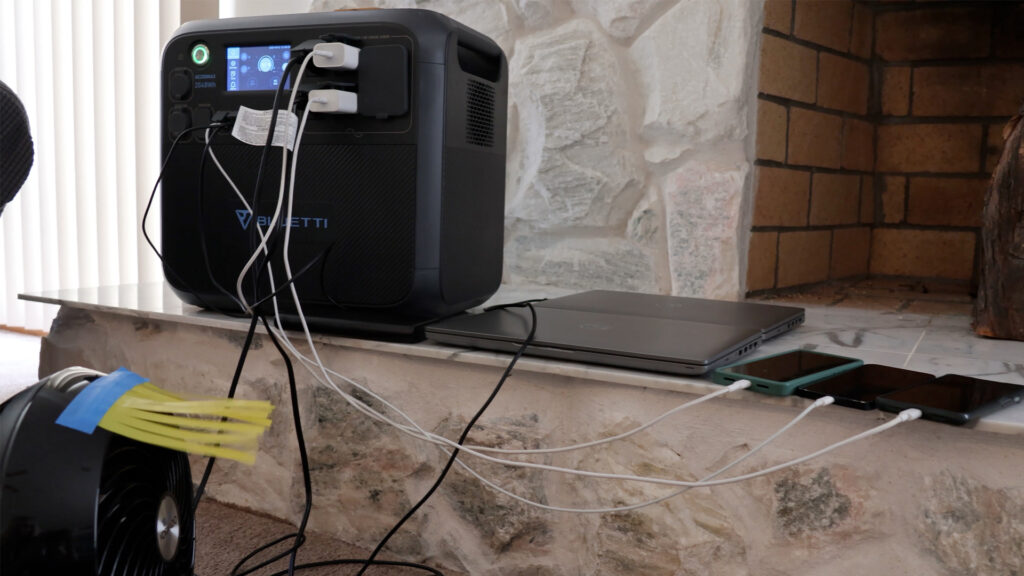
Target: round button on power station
x,y
200,54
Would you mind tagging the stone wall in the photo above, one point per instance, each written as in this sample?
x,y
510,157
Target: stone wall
x,y
923,498
630,138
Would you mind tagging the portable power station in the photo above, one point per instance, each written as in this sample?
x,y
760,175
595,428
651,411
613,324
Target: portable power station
x,y
398,209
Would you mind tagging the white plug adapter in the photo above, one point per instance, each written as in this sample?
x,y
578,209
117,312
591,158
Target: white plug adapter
x,y
335,56
333,102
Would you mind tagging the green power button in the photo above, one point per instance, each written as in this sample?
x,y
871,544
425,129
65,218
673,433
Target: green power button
x,y
200,54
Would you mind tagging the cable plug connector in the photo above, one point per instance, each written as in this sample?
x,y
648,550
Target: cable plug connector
x,y
908,415
824,401
224,117
333,102
335,56
739,385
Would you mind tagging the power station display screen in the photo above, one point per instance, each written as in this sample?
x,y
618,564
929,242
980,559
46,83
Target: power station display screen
x,y
252,68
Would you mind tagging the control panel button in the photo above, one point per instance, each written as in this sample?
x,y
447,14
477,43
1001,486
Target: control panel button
x,y
178,121
200,54
180,84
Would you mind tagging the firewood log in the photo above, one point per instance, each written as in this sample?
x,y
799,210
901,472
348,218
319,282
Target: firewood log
x,y
999,310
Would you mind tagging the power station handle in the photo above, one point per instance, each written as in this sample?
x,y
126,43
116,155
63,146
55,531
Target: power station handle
x,y
479,55
477,42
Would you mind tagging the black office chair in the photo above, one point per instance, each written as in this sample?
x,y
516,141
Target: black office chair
x,y
16,152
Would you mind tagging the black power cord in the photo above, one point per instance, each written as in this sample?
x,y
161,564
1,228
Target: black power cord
x,y
149,204
462,437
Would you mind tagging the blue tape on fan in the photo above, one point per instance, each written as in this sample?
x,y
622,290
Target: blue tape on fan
x,y
87,409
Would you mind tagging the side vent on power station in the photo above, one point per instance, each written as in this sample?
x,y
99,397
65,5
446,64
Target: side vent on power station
x,y
479,113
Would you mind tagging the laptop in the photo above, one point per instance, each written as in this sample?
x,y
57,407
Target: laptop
x,y
676,335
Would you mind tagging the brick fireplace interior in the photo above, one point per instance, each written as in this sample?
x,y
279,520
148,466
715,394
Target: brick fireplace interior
x,y
879,124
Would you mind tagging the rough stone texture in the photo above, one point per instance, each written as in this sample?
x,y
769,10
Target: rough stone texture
x,y
923,498
568,166
622,18
703,207
973,528
696,95
809,505
580,263
606,98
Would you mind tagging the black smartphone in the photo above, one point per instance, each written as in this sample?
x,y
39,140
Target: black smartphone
x,y
954,399
859,387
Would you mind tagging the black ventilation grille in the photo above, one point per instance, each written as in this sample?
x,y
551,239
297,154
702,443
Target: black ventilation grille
x,y
479,114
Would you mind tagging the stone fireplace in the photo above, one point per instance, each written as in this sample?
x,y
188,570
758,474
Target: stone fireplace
x,y
879,124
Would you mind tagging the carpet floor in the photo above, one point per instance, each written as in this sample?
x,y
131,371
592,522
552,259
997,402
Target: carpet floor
x,y
19,362
225,534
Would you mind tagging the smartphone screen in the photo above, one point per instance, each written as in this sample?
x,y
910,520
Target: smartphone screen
x,y
859,387
956,398
789,366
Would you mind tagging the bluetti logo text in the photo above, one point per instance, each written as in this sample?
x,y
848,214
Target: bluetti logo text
x,y
245,217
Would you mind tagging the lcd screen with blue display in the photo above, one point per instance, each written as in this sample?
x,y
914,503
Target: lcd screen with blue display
x,y
252,68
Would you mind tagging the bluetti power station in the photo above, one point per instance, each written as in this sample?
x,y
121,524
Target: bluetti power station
x,y
398,203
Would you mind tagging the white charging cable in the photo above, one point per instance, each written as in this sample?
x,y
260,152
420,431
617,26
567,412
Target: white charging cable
x,y
823,401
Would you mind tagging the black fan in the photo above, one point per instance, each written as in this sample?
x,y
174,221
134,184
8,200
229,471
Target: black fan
x,y
16,151
79,504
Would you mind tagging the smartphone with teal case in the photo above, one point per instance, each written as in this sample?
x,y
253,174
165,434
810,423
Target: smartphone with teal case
x,y
781,374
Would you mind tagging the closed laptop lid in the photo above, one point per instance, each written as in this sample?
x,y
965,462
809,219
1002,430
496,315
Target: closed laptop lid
x,y
769,318
634,336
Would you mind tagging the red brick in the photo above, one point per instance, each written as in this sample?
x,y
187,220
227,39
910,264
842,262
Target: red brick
x,y
928,33
788,69
803,257
867,200
761,260
778,15
824,23
851,248
815,138
928,148
781,197
947,254
842,84
946,201
894,199
771,131
835,199
977,90
896,91
858,145
863,30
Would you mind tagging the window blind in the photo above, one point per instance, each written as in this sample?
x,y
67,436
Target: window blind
x,y
88,72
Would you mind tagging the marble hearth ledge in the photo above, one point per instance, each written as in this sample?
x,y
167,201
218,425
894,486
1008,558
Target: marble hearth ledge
x,y
933,344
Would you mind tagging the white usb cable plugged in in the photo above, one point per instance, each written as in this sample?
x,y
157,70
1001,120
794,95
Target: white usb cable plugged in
x,y
823,401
